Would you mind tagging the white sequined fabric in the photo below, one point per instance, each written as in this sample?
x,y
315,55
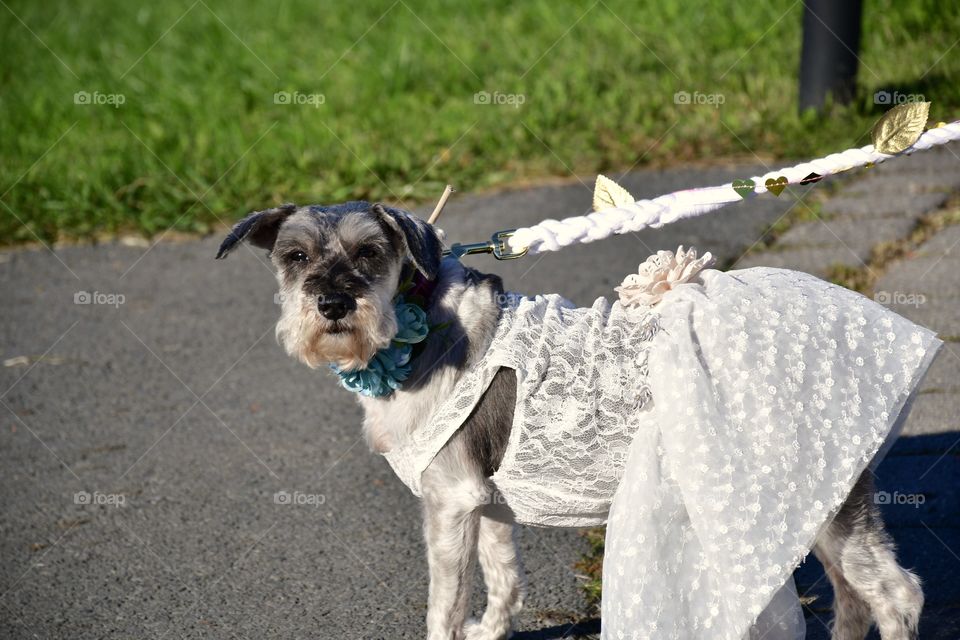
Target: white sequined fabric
x,y
773,391
716,432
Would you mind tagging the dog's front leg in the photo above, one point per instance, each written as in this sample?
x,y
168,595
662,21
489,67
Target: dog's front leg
x,y
451,526
503,575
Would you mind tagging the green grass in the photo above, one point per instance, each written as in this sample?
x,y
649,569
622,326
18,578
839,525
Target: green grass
x,y
200,140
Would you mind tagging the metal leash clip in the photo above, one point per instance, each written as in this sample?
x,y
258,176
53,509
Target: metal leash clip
x,y
497,245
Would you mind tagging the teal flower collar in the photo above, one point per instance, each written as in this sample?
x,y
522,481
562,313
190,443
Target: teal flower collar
x,y
390,366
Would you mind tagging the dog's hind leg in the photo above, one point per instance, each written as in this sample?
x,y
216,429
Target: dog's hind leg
x,y
503,576
851,615
859,557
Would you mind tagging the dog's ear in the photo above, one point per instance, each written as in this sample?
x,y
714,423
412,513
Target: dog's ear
x,y
259,229
421,242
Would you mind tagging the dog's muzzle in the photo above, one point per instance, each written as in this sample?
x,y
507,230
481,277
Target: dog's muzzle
x,y
335,306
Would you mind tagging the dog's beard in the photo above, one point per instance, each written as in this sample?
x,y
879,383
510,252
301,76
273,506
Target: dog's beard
x,y
349,343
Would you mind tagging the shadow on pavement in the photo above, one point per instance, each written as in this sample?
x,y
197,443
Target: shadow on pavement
x,y
918,490
575,630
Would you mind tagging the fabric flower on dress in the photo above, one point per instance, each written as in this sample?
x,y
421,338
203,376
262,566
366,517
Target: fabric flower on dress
x,y
661,273
382,375
412,324
389,366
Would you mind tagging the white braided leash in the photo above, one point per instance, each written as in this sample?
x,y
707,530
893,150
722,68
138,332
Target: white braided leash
x,y
553,235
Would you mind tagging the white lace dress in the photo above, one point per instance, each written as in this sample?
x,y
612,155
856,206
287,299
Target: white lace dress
x,y
716,433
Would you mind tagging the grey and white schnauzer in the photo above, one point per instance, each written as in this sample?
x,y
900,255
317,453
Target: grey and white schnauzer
x,y
339,268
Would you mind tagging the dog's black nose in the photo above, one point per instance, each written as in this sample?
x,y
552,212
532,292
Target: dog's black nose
x,y
335,306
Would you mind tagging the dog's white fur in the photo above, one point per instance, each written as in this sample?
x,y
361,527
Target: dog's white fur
x,y
455,493
386,420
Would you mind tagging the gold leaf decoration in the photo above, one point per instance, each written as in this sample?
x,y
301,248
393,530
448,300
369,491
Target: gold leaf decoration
x,y
607,194
900,127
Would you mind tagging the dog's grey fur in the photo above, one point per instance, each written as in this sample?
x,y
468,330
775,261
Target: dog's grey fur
x,y
484,433
350,259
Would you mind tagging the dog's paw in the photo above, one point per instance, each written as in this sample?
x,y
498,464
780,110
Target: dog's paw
x,y
473,629
476,630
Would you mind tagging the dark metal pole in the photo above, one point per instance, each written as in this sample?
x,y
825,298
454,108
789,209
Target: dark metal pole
x,y
831,44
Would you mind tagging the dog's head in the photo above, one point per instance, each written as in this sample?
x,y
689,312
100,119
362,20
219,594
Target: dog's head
x,y
339,268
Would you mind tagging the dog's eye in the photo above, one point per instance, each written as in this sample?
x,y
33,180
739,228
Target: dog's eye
x,y
366,251
297,256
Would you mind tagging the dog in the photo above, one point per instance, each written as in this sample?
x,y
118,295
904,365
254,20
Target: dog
x,y
339,268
